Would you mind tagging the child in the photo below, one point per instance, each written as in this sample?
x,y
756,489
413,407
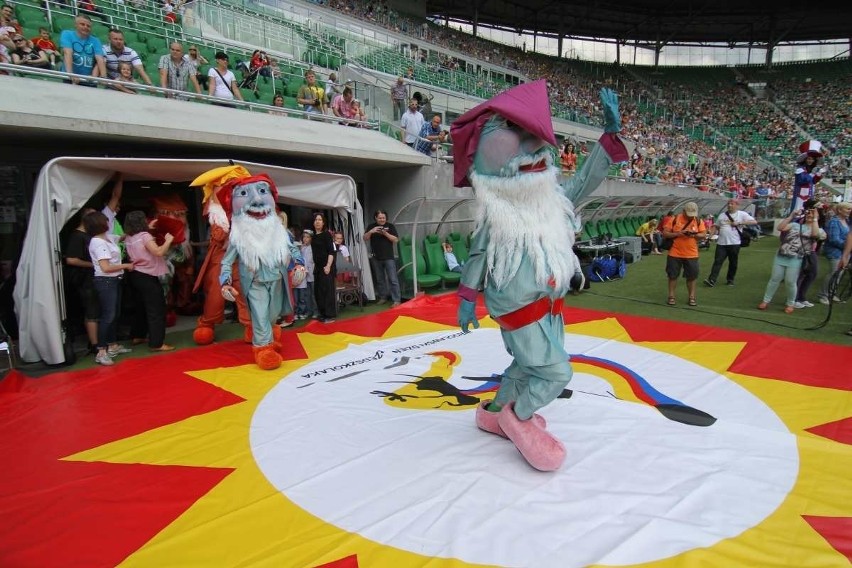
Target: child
x,y
450,257
341,248
305,291
44,43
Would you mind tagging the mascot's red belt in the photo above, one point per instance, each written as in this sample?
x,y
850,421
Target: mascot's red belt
x,y
529,313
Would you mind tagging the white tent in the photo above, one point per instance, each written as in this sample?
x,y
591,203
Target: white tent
x,y
65,184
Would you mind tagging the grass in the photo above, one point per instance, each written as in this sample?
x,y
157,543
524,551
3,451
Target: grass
x,y
642,293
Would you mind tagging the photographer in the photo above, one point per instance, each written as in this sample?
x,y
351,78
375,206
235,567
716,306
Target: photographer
x,y
685,230
431,134
798,235
311,96
382,237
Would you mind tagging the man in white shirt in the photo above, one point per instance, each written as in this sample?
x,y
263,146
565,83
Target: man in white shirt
x,y
728,226
117,51
411,123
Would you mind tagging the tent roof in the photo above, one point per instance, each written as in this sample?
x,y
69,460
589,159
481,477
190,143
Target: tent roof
x,y
295,186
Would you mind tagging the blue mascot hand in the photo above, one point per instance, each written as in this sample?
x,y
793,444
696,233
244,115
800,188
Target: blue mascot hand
x,y
467,315
612,118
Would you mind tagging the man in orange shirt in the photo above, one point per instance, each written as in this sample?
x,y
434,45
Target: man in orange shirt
x,y
687,229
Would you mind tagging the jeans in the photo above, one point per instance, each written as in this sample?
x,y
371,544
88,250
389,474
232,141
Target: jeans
x,y
827,280
790,276
108,289
386,275
807,277
304,297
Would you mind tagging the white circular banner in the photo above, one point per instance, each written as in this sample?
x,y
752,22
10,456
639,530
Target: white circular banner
x,y
379,439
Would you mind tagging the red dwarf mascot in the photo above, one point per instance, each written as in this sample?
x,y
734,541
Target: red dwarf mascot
x,y
208,276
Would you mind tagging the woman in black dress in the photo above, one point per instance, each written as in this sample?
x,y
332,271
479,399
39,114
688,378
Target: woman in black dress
x,y
322,247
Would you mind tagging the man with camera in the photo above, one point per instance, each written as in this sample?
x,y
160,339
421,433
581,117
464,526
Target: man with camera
x,y
382,237
431,134
685,230
311,96
729,226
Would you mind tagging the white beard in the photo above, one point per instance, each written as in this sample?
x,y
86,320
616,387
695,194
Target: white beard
x,y
260,241
216,216
527,215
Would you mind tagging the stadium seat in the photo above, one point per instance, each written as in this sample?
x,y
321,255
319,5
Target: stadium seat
x,y
459,246
436,263
424,280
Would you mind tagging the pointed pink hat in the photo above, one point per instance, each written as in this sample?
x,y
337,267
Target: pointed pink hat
x,y
526,105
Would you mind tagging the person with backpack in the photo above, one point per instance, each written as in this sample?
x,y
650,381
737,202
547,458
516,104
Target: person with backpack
x,y
729,226
684,230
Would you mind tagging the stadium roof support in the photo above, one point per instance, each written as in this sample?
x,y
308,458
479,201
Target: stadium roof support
x,y
721,21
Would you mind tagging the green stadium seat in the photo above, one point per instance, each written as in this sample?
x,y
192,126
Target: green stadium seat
x,y
436,263
424,280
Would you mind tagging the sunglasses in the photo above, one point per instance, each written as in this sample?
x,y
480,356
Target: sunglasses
x,y
17,39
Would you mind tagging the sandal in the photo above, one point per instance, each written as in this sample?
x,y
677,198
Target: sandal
x,y
762,306
162,347
789,309
692,302
671,301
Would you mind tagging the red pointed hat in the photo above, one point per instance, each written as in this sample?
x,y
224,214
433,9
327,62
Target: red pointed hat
x,y
812,148
224,193
526,105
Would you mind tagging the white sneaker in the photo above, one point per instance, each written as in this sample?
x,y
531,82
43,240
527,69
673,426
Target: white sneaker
x,y
823,300
118,351
799,305
807,304
104,359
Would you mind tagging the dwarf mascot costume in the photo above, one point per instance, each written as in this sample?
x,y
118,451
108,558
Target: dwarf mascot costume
x,y
214,304
262,249
521,255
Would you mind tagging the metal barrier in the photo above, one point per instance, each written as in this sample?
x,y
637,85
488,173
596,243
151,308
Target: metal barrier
x,y
22,71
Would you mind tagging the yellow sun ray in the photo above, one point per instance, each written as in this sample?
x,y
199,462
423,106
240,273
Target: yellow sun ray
x,y
244,520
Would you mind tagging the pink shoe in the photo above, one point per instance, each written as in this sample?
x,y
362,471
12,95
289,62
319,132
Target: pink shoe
x,y
540,448
487,421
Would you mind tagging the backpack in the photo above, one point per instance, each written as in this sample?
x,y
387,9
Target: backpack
x,y
606,268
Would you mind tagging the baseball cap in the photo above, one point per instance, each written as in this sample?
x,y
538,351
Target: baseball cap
x,y
691,209
221,55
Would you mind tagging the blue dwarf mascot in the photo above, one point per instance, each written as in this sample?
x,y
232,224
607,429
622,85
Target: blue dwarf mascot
x,y
521,255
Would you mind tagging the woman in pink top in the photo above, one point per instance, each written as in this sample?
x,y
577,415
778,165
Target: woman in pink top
x,y
148,265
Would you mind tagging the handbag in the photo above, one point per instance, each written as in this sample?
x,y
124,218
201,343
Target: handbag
x,y
745,238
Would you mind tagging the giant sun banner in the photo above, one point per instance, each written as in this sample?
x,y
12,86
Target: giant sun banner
x,y
687,446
